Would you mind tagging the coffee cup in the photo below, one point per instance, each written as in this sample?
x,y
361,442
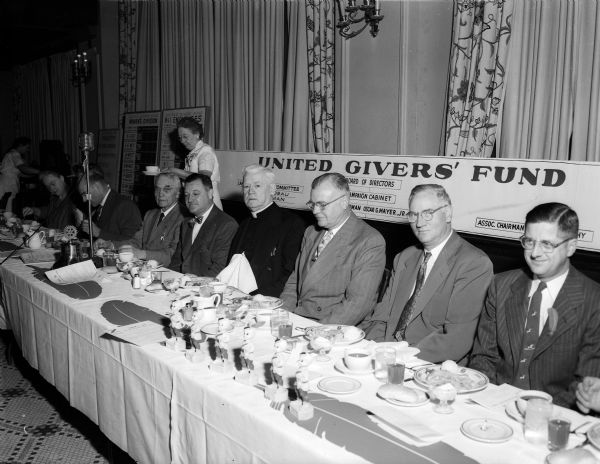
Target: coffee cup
x,y
527,395
357,359
207,315
125,256
152,169
202,302
36,240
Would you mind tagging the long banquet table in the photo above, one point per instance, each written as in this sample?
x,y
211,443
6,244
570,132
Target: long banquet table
x,y
159,407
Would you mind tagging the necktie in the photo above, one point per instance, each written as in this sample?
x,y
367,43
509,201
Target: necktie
x,y
530,338
97,213
327,236
195,223
409,307
160,218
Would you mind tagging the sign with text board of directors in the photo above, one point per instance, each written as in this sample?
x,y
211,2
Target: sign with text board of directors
x,y
489,196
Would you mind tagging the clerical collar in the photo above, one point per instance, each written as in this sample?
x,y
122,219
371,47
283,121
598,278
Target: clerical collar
x,y
168,210
255,213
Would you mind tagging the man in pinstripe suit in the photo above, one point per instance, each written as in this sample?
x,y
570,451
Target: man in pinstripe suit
x,y
540,327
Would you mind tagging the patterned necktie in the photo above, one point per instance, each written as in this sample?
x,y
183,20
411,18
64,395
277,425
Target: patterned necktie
x,y
327,236
160,218
530,338
409,307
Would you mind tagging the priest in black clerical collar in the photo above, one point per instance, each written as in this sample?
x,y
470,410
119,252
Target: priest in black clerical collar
x,y
271,238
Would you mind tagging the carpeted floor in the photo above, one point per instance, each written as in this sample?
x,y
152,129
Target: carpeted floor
x,y
37,424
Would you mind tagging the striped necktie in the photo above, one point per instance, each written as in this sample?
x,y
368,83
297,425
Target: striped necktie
x,y
327,236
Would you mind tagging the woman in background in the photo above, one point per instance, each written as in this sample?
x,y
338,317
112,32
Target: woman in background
x,y
201,156
12,167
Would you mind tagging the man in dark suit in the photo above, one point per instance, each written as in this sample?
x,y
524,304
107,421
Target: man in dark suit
x,y
540,327
437,289
204,240
270,239
338,270
159,235
115,217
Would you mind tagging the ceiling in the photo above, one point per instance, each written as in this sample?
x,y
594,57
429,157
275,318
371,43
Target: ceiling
x,y
32,29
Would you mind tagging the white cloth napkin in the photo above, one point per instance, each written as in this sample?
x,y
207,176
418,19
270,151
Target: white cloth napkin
x,y
238,273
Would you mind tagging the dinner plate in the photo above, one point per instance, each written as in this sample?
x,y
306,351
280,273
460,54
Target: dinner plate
x,y
269,302
465,380
211,329
407,405
593,435
513,412
340,365
309,333
339,385
487,430
151,173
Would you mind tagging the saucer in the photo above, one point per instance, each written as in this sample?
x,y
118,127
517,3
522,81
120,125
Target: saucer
x,y
407,405
487,430
339,385
340,365
151,173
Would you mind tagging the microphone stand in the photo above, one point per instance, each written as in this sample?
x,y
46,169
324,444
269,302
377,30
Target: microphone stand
x,y
86,143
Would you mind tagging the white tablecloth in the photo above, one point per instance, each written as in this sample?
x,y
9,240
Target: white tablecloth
x,y
159,407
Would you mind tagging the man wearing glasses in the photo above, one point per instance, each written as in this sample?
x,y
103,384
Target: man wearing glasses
x,y
437,289
540,327
341,261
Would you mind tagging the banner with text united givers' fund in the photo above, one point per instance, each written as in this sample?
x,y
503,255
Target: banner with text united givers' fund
x,y
489,196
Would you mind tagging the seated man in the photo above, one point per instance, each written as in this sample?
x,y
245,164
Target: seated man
x,y
159,235
540,327
341,262
270,239
436,292
204,240
59,212
115,217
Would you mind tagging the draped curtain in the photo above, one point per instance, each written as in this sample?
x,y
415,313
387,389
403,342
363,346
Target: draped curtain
x,y
321,72
33,105
247,60
552,103
479,50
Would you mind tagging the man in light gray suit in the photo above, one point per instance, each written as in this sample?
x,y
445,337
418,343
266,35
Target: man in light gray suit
x,y
437,289
341,261
159,235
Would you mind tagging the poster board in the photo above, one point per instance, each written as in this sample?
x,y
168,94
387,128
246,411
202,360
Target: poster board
x,y
140,146
170,148
107,154
489,196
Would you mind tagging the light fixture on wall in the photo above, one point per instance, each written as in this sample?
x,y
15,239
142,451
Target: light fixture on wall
x,y
348,17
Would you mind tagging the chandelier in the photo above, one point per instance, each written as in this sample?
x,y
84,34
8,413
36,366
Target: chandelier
x,y
370,15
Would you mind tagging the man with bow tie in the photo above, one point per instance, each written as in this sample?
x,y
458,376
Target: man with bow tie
x,y
204,240
540,327
437,288
159,235
338,270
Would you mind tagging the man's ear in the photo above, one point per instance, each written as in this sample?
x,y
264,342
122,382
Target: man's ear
x,y
448,213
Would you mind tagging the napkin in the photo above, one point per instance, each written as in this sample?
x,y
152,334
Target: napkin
x,y
238,273
409,429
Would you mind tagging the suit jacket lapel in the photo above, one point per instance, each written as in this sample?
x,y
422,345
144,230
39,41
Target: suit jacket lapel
x,y
402,289
515,308
567,301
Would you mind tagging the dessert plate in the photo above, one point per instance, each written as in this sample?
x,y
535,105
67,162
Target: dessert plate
x,y
340,365
487,430
336,331
405,404
593,435
465,380
339,385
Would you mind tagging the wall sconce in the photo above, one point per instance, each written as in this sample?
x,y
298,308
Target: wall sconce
x,y
371,16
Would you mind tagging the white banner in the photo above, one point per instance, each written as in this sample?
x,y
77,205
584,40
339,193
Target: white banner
x,y
489,196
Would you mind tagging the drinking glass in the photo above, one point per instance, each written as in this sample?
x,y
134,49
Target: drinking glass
x,y
383,358
558,433
322,343
279,317
395,373
443,396
537,415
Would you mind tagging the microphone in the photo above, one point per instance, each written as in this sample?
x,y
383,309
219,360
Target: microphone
x,y
86,141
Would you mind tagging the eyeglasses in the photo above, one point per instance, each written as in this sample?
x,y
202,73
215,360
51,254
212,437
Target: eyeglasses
x,y
321,204
426,214
545,245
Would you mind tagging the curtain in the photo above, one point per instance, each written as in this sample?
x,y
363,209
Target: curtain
x,y
33,105
244,59
64,104
479,50
320,31
553,85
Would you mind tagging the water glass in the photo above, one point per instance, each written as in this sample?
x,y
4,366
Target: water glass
x,y
558,433
537,416
383,358
109,258
285,330
395,373
279,317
